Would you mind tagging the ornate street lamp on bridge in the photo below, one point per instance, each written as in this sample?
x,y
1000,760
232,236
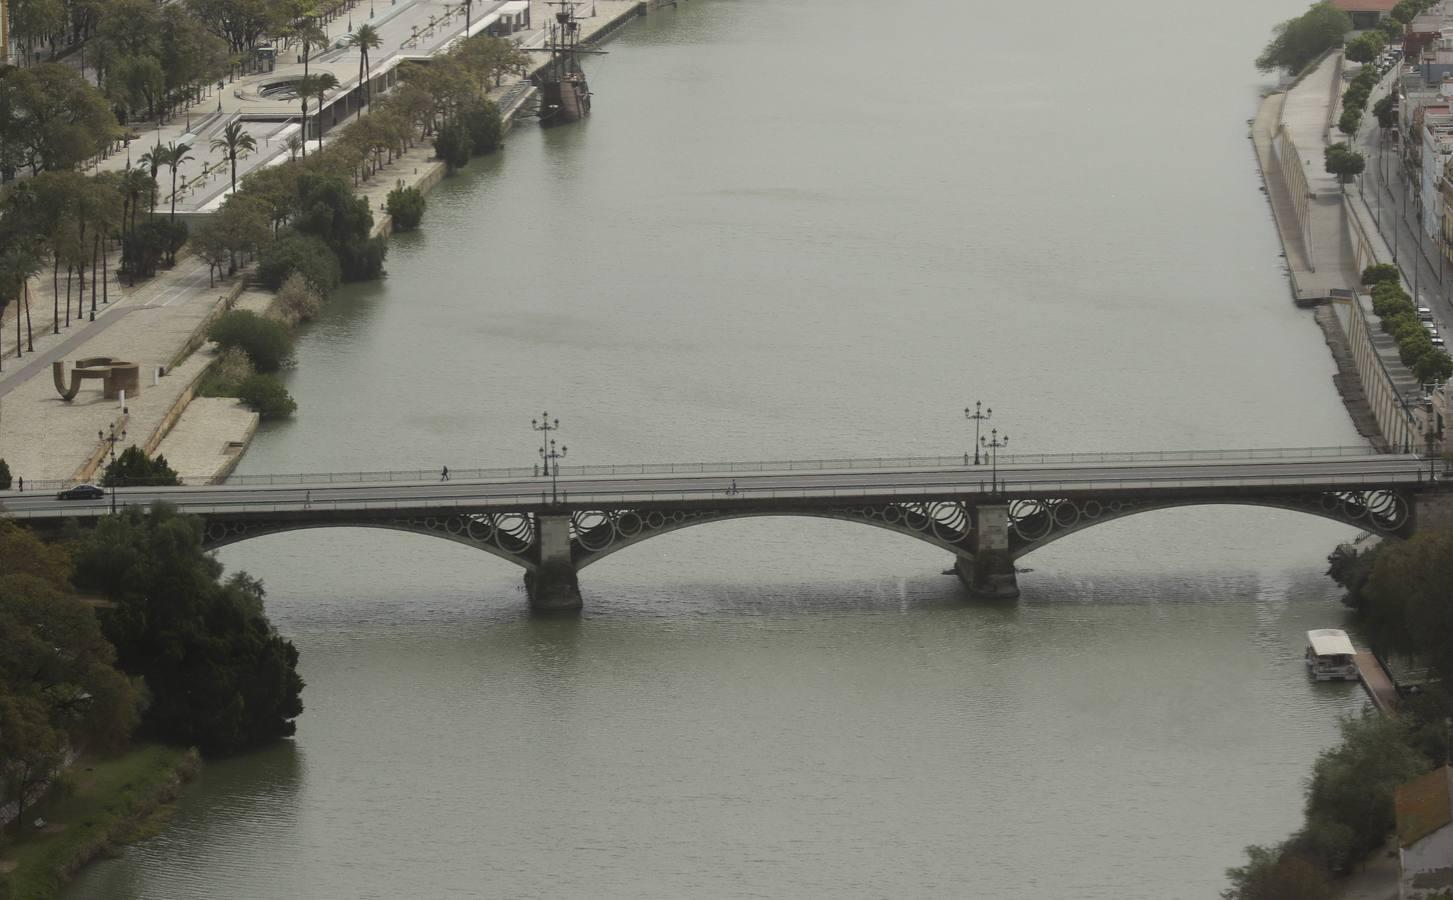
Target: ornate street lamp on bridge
x,y
548,453
992,445
111,439
979,416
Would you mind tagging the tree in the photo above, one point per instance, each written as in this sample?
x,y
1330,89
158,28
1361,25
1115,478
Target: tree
x,y
308,87
298,300
57,119
220,677
266,395
1386,111
31,749
176,154
330,210
244,224
134,467
302,253
209,241
1296,42
1433,367
405,207
482,120
1391,29
1350,121
1351,791
4,475
1273,875
234,143
364,39
152,161
1344,162
1365,47
1405,11
266,341
452,145
1409,605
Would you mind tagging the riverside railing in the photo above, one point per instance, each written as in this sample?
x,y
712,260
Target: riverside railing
x,y
844,464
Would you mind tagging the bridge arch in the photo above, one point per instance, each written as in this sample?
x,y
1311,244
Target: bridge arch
x,y
510,536
1036,523
596,534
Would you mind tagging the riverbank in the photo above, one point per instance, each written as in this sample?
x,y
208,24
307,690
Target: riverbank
x,y
109,802
161,324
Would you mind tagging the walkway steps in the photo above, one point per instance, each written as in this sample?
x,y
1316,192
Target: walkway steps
x,y
1347,381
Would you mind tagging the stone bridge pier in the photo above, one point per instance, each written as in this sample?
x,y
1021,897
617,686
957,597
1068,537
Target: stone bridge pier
x,y
989,573
554,585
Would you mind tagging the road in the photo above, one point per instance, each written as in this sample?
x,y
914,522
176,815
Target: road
x,y
585,492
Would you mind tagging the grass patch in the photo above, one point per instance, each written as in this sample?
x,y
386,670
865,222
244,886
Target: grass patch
x,y
110,801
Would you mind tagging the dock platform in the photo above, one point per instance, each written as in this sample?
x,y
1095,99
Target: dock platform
x,y
1376,682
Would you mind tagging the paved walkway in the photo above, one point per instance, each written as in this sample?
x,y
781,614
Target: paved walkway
x,y
1328,262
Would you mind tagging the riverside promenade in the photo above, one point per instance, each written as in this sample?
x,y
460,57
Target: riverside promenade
x,y
161,323
1290,133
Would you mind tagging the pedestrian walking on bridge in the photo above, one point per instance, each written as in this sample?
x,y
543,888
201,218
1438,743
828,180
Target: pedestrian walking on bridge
x,y
444,475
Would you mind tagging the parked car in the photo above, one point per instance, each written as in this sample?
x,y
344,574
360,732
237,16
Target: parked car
x,y
81,492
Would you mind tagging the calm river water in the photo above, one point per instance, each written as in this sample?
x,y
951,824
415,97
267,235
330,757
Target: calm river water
x,y
802,230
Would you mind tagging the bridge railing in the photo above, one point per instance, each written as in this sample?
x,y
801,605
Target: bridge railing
x,y
1009,489
845,464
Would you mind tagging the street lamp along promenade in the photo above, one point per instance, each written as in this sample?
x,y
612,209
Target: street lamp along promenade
x,y
979,416
548,453
111,439
991,446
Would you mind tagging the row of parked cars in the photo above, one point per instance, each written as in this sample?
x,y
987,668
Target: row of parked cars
x,y
1388,58
1425,315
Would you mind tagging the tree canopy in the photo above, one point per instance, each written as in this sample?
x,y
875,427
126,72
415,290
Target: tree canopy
x,y
1296,42
220,678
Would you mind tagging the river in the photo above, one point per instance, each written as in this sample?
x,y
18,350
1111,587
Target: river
x,y
808,230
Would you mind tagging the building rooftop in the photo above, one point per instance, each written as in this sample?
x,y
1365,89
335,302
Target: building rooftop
x,y
1351,6
1423,805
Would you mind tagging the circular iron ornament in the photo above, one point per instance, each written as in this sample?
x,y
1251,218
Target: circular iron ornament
x,y
454,525
1066,514
655,520
589,520
479,529
629,524
431,523
1092,509
892,514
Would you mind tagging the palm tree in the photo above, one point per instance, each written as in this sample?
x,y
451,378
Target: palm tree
x,y
314,86
366,38
176,154
233,143
294,144
152,161
307,32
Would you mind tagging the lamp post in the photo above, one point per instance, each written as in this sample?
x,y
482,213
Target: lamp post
x,y
111,439
992,445
979,416
548,453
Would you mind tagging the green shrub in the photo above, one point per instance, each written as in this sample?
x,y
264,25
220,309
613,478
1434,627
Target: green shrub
x,y
266,342
4,476
406,207
133,467
1350,121
1380,274
306,254
266,395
